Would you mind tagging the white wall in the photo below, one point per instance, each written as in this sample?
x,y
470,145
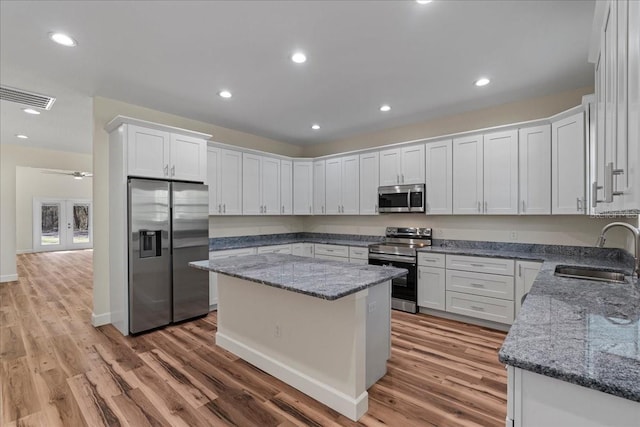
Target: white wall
x,y
31,183
12,156
225,226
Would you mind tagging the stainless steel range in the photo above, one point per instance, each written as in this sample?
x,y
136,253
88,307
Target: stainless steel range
x,y
399,249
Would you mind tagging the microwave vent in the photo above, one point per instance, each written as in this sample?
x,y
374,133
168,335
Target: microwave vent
x,y
30,99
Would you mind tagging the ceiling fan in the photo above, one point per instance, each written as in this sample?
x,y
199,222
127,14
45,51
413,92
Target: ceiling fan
x,y
75,175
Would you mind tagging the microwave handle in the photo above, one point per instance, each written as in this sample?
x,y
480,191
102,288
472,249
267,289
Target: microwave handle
x,y
409,199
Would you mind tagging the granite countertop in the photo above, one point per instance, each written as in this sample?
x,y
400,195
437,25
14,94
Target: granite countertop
x,y
329,280
239,242
580,331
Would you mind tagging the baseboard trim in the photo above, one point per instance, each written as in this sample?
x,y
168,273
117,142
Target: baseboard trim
x,y
100,319
8,278
352,408
24,251
213,307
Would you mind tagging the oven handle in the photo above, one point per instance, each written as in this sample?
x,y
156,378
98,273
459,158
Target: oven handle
x,y
405,260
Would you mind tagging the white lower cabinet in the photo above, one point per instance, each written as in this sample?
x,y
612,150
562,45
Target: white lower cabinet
x,y
494,309
489,285
213,277
358,255
302,249
275,249
431,287
526,272
322,250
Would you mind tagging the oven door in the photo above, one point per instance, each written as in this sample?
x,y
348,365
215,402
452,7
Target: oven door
x,y
404,290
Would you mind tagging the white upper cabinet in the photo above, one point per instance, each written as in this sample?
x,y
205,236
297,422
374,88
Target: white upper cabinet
x,y
568,166
260,185
319,187
402,165
302,187
535,170
468,175
369,181
342,185
439,177
632,196
148,152
213,180
188,158
501,173
224,178
154,153
286,187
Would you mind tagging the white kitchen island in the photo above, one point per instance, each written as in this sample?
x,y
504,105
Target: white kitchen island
x,y
323,327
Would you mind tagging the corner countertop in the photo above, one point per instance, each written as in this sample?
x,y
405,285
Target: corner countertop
x,y
329,280
580,331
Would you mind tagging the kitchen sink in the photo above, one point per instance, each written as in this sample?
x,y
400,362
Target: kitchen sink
x,y
587,273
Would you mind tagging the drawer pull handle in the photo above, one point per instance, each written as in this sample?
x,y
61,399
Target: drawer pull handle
x,y
477,308
430,260
479,285
477,265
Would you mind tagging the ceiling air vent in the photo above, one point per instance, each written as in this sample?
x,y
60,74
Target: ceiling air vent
x,y
30,99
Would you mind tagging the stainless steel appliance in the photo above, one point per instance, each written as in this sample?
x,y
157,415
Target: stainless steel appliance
x,y
168,227
401,198
399,249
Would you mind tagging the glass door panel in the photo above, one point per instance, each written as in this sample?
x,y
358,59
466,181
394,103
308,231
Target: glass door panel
x,y
79,224
50,224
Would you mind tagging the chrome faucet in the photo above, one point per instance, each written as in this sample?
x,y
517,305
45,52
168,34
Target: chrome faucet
x,y
636,241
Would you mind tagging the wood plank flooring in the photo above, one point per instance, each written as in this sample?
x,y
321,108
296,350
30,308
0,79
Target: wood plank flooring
x,y
58,370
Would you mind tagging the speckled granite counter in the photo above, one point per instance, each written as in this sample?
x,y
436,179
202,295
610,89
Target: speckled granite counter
x,y
319,278
239,242
580,331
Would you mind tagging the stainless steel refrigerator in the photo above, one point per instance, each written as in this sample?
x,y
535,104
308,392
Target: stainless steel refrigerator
x,y
168,228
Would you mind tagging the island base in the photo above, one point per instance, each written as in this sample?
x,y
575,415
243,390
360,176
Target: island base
x,y
318,346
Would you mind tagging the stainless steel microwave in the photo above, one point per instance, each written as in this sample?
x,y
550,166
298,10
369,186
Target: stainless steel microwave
x,y
401,198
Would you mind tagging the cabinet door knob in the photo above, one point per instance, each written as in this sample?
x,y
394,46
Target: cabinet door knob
x,y
173,170
397,179
402,178
224,208
479,209
166,170
219,208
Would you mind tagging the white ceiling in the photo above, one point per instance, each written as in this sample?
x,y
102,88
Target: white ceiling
x,y
174,56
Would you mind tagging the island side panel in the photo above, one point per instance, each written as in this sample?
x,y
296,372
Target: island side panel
x,y
315,345
378,331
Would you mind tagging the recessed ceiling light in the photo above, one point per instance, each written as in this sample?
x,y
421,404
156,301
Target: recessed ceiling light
x,y
299,57
315,126
21,136
225,94
483,81
423,1
31,111
63,39
385,108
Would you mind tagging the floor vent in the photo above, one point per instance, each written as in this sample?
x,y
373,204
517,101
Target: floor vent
x,y
30,99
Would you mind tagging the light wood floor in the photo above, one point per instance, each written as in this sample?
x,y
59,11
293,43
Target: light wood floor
x,y
57,370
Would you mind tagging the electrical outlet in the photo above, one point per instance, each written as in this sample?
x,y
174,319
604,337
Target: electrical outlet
x,y
277,331
514,236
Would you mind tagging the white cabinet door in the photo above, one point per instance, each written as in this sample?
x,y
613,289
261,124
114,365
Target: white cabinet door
x,y
333,186
188,158
350,186
501,173
302,188
610,37
568,166
213,180
526,272
431,287
468,174
319,187
535,170
369,180
148,152
286,187
270,186
230,195
251,174
439,178
412,165
390,161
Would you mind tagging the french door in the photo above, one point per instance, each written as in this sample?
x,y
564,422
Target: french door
x,y
60,224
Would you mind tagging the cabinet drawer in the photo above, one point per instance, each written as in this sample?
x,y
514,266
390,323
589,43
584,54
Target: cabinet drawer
x,y
275,249
488,285
358,253
332,250
358,261
494,309
481,265
232,253
431,260
332,258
